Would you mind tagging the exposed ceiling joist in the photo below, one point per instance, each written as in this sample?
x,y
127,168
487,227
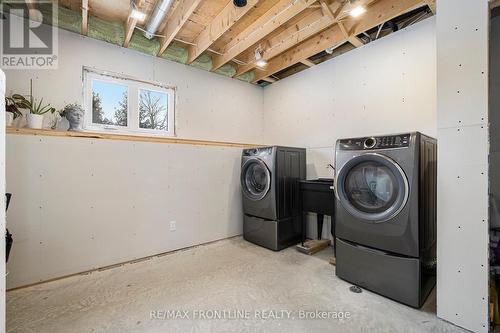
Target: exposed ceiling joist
x,y
30,4
279,14
334,17
286,32
269,79
349,36
381,11
181,14
85,17
31,8
328,38
327,11
432,5
305,28
131,22
220,24
308,62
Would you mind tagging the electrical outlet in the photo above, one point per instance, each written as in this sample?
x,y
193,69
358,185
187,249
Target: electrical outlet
x,y
172,225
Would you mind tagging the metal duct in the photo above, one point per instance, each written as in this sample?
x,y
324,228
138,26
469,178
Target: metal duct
x,y
157,17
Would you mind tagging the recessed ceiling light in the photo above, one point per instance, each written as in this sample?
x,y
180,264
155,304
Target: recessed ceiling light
x,y
259,61
357,11
138,15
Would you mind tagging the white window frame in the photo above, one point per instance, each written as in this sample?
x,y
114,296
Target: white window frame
x,y
134,86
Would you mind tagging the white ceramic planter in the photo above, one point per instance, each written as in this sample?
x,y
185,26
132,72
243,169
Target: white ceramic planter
x,y
35,121
9,118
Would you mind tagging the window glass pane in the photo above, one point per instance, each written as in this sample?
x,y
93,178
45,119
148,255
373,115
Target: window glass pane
x,y
153,110
109,103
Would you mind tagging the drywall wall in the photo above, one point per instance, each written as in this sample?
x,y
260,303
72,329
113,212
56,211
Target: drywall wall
x,y
81,203
383,87
462,114
387,86
208,107
2,202
494,118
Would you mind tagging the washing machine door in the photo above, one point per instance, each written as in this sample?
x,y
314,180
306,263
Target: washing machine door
x,y
255,179
372,188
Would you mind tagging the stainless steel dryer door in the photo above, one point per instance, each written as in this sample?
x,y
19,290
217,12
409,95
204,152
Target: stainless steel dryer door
x,y
255,179
372,188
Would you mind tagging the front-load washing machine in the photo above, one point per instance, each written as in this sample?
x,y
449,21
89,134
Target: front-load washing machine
x,y
385,214
271,198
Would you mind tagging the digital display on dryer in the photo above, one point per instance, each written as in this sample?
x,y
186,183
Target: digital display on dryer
x,y
262,151
379,142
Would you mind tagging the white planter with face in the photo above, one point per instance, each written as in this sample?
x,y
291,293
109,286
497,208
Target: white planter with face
x,y
35,121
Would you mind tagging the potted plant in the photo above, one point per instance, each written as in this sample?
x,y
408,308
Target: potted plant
x,y
12,106
37,111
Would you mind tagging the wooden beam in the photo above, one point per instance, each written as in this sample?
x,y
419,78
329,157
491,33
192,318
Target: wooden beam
x,y
349,36
131,22
379,12
275,17
308,62
327,11
307,27
220,24
432,5
269,79
323,40
85,17
334,16
355,41
31,5
175,23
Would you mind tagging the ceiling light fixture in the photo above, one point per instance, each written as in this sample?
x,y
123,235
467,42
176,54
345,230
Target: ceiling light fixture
x,y
259,61
138,15
357,11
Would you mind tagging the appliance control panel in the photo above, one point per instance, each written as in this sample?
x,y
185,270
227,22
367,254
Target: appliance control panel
x,y
262,151
378,142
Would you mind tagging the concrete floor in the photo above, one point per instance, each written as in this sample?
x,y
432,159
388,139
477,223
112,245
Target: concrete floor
x,y
230,275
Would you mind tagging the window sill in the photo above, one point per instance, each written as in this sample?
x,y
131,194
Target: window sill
x,y
123,137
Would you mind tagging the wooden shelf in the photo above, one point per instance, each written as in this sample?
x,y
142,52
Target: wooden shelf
x,y
122,137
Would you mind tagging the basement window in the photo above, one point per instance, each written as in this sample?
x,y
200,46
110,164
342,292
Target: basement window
x,y
118,104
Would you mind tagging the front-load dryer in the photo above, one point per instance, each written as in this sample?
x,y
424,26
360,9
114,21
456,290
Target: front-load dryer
x,y
271,198
385,213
